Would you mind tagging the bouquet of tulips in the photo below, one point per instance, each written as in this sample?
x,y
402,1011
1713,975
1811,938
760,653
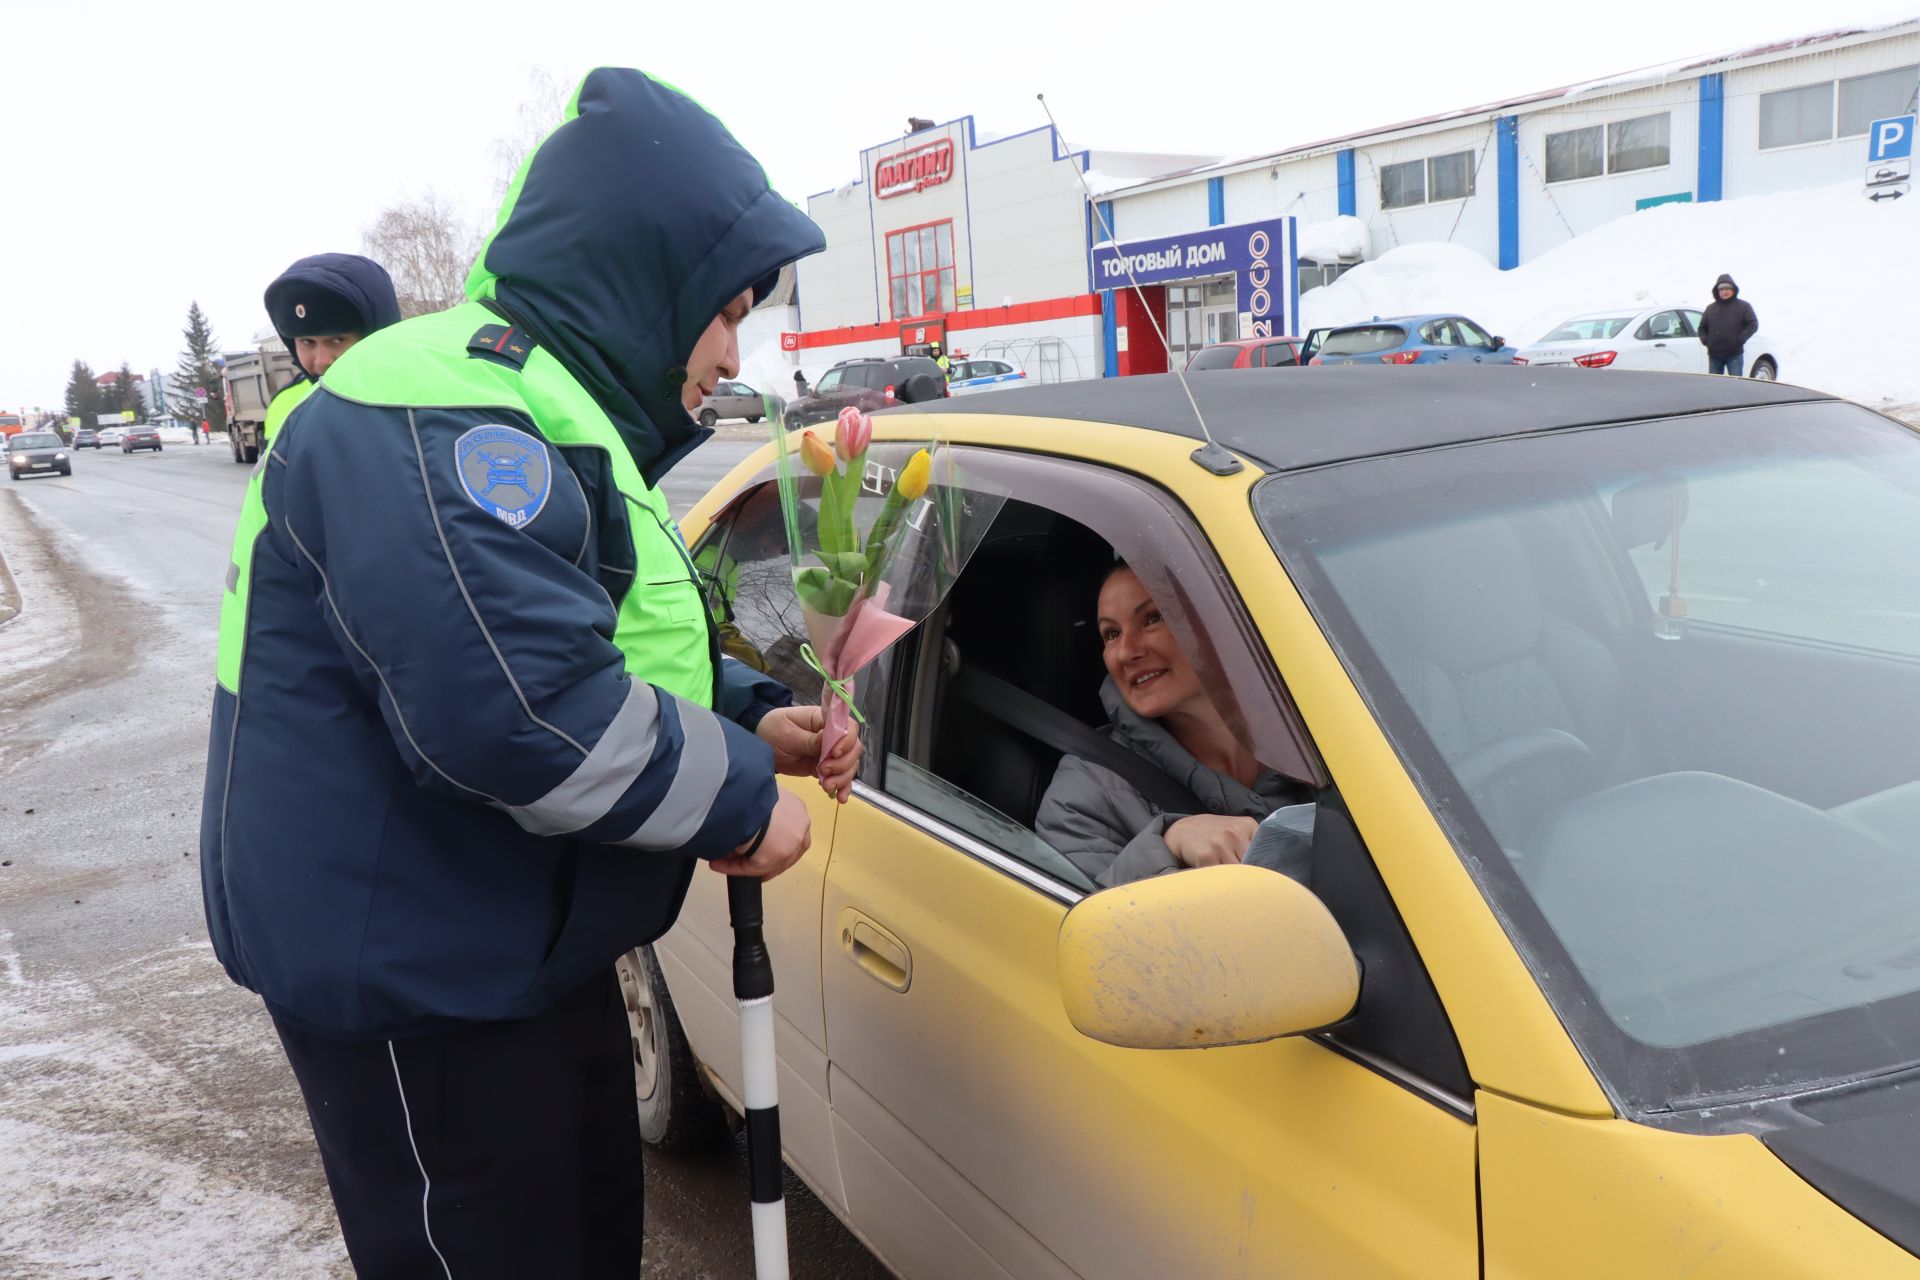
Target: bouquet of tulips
x,y
889,533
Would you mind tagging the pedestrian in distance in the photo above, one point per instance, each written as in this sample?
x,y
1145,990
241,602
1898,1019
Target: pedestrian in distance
x,y
800,390
1725,328
473,736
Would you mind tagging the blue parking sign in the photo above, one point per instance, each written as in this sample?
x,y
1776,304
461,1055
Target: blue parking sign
x,y
1890,139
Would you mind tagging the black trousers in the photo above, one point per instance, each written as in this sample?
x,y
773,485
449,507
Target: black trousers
x,y
506,1149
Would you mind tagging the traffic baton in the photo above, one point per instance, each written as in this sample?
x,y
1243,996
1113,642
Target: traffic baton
x,y
753,988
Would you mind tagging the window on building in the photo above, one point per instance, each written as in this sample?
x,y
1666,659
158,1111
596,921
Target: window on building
x,y
1576,153
1641,143
1403,185
1314,274
1865,99
1450,177
920,272
1437,178
1793,116
1622,146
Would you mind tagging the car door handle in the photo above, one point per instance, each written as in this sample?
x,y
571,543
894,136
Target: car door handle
x,y
1659,344
880,955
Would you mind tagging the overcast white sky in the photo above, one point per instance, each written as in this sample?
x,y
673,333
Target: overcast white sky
x,y
155,153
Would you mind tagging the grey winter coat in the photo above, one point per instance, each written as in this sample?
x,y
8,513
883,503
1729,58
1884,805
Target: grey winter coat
x,y
1112,832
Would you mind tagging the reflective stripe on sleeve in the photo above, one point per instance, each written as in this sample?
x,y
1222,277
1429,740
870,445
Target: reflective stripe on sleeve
x,y
589,793
702,772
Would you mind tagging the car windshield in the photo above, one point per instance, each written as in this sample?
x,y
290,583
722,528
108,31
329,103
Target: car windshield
x,y
38,440
1589,329
1364,340
1660,684
1214,358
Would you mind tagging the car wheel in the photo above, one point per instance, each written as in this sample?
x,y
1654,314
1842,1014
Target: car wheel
x,y
676,1114
793,422
708,417
66,471
753,417
1765,370
126,448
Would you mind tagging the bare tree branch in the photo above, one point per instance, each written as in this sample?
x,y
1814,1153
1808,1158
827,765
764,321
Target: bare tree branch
x,y
539,113
427,247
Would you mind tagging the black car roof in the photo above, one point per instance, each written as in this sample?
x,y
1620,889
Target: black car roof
x,y
1290,418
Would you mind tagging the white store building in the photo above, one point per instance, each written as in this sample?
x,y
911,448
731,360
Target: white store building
x,y
990,247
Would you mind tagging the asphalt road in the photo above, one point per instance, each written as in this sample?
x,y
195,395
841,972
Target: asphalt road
x,y
148,1124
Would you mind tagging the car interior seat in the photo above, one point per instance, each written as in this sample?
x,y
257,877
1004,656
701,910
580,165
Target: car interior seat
x,y
1524,706
1022,612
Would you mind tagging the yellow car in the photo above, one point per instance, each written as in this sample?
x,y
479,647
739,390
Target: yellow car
x,y
1607,694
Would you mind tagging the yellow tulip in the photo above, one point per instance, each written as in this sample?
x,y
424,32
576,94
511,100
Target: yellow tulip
x,y
816,455
913,478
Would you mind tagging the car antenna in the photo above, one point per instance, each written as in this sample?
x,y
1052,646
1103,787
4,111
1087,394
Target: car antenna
x,y
1210,455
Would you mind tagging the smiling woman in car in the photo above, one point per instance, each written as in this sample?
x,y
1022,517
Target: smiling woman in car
x,y
1102,822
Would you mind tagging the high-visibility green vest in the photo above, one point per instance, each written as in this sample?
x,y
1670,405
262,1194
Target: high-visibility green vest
x,y
661,626
285,403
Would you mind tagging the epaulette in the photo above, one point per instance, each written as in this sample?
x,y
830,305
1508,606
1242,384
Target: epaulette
x,y
501,342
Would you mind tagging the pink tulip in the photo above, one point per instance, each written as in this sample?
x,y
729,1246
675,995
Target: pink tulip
x,y
855,431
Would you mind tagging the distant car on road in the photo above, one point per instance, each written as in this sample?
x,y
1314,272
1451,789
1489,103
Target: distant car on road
x,y
1437,339
1247,353
870,383
971,375
141,435
1665,338
110,435
38,451
731,400
86,438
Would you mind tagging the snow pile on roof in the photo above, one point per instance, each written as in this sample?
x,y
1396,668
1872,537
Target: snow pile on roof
x,y
1830,274
1336,238
1101,183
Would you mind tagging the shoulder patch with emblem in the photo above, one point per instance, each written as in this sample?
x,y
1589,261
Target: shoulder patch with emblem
x,y
507,472
505,341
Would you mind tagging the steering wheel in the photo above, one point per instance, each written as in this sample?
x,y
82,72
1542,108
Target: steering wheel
x,y
1490,761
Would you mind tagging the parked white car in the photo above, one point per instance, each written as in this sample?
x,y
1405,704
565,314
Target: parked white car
x,y
1640,338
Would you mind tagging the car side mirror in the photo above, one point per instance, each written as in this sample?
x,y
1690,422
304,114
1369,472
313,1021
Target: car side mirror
x,y
1202,958
1499,343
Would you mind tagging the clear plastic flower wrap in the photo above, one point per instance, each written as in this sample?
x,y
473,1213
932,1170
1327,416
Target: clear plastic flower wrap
x,y
877,531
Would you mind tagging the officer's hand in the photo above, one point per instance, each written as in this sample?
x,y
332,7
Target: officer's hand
x,y
789,835
794,735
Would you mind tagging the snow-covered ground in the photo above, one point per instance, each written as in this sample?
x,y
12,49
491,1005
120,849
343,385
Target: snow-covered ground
x,y
117,1156
1830,274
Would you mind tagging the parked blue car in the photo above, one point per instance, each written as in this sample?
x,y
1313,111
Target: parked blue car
x,y
1412,340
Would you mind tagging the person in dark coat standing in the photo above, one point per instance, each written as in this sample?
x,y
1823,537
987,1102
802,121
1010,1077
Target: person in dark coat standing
x,y
1725,328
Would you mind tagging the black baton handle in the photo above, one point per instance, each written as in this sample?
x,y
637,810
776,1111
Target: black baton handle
x,y
752,965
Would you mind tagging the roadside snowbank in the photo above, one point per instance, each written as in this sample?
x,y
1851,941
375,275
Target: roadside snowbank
x,y
1830,274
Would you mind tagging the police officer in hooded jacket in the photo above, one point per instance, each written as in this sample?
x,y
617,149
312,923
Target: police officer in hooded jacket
x,y
472,735
320,306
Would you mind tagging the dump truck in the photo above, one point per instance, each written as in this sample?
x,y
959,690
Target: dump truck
x,y
253,378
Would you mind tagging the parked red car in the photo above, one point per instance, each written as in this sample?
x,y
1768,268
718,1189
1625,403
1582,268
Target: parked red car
x,y
1247,353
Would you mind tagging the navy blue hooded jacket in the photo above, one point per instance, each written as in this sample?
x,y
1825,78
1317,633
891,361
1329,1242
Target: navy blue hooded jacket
x,y
434,794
